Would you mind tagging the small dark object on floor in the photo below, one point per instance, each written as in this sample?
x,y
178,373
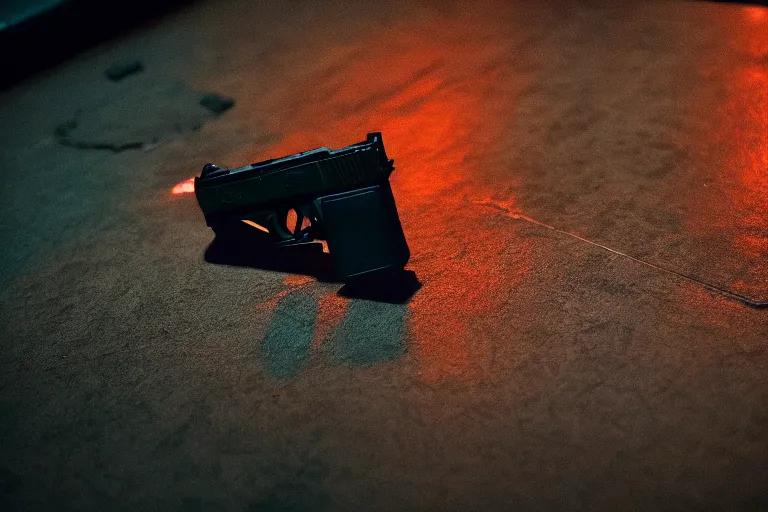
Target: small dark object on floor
x,y
122,69
215,103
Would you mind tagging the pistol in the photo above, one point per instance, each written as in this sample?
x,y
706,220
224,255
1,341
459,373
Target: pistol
x,y
341,196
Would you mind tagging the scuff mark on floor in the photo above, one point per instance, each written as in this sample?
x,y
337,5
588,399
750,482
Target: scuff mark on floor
x,y
140,115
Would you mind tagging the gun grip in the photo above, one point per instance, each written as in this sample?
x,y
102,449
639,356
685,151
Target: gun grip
x,y
363,232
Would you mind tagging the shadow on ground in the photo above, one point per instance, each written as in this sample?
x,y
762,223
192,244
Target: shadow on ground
x,y
359,326
247,247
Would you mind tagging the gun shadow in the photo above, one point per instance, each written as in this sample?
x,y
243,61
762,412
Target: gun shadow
x,y
248,247
365,333
245,246
355,334
393,289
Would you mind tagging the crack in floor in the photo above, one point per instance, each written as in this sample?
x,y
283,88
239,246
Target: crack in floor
x,y
712,287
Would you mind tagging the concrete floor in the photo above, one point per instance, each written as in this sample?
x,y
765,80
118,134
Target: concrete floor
x,y
533,370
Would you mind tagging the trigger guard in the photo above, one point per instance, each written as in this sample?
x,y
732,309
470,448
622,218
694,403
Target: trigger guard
x,y
274,221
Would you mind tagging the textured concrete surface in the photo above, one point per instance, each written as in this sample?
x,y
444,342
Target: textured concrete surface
x,y
584,189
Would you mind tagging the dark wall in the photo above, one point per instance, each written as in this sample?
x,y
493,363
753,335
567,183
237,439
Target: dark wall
x,y
58,33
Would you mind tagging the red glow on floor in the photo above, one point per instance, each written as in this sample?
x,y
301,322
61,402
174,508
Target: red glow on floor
x,y
331,310
444,124
756,14
297,280
739,194
185,187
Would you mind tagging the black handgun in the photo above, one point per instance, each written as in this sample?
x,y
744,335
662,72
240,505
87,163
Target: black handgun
x,y
341,196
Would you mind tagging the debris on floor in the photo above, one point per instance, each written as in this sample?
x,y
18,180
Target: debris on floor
x,y
215,103
120,70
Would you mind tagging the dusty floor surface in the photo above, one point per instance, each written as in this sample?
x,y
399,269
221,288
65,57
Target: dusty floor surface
x,y
533,370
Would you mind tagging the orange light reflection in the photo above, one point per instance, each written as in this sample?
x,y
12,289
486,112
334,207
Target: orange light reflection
x,y
257,226
441,98
737,204
185,187
756,14
330,312
441,93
